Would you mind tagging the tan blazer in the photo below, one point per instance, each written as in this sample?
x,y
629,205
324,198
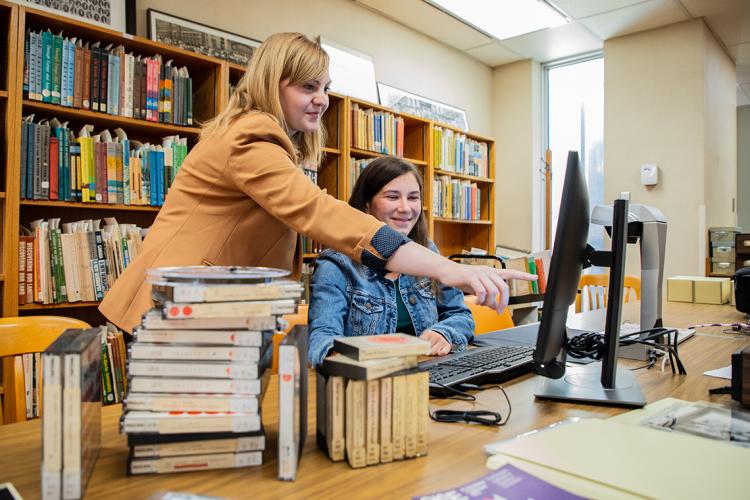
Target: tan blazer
x,y
238,199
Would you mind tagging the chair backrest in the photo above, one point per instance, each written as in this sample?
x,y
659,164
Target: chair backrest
x,y
25,335
596,288
298,318
487,319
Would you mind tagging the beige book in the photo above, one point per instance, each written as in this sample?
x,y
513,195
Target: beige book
x,y
335,418
423,412
355,423
386,420
366,370
398,411
373,422
411,415
282,289
518,287
389,345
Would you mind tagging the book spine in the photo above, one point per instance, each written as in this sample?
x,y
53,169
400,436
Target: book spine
x,y
72,426
198,462
373,422
287,401
398,410
108,395
386,419
52,437
355,423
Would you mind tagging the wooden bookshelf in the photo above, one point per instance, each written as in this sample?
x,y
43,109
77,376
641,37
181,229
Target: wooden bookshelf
x,y
211,83
209,78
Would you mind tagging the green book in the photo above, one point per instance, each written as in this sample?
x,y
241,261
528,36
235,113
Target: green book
x,y
56,68
47,66
108,395
532,270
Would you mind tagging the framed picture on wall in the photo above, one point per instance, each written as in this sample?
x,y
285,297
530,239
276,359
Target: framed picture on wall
x,y
406,102
200,38
114,14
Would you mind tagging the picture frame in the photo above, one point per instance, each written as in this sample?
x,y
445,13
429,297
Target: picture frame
x,y
118,15
406,102
200,38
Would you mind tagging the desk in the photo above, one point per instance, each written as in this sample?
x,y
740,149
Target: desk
x,y
455,450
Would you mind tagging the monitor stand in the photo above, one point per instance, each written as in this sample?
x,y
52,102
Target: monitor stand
x,y
582,384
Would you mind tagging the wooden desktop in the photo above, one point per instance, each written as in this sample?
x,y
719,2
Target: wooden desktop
x,y
455,450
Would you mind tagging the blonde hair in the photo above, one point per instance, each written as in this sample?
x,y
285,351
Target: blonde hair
x,y
283,56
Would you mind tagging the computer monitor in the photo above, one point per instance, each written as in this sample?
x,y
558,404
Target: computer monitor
x,y
599,382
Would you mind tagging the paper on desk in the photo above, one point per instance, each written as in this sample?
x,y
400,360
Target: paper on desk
x,y
725,372
627,457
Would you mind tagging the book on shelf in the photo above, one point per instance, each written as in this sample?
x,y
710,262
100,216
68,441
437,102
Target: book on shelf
x,y
195,385
378,131
95,167
292,401
84,74
455,152
187,463
458,199
207,369
74,261
381,346
178,352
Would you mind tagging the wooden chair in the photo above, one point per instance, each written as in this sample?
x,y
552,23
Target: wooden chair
x,y
24,335
298,318
598,284
487,319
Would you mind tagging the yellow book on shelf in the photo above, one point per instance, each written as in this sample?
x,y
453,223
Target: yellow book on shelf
x,y
632,460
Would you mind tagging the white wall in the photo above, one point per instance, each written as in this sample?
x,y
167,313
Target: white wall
x,y
658,86
403,58
743,168
516,129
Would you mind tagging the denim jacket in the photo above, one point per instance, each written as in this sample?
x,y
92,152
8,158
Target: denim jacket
x,y
349,299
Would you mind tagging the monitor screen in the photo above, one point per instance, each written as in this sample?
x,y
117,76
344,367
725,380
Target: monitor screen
x,y
569,256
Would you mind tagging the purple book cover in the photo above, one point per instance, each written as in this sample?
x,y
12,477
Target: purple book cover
x,y
507,482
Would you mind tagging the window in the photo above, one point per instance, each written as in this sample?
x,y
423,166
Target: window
x,y
574,112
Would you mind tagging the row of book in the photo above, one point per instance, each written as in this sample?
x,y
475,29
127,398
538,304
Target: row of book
x,y
379,131
456,199
31,367
88,75
114,379
372,403
73,261
197,369
356,167
100,168
71,423
455,152
537,264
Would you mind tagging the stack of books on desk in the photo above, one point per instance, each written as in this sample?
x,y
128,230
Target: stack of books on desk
x,y
196,368
71,422
372,402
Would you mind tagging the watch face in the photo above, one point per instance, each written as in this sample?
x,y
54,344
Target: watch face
x,y
215,274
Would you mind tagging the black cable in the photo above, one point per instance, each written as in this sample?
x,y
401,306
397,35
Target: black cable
x,y
483,417
459,395
594,345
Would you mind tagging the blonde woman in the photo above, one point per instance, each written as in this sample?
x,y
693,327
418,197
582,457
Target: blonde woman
x,y
240,198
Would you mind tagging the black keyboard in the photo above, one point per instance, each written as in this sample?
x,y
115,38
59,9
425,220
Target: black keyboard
x,y
479,366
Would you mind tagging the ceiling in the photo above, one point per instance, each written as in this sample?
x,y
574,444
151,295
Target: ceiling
x,y
592,22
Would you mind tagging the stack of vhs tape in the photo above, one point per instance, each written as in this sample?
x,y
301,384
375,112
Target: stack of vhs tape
x,y
372,402
196,367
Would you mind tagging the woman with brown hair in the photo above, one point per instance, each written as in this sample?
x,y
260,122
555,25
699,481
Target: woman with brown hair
x,y
240,198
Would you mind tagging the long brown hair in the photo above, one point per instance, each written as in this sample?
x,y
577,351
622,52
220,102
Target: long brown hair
x,y
283,56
